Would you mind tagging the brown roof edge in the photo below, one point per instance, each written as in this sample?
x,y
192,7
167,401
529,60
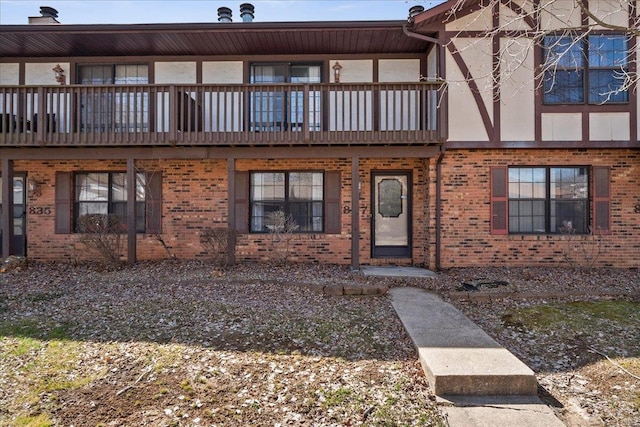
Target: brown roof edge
x,y
438,13
203,26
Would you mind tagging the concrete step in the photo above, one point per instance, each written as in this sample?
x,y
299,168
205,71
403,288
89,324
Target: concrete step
x,y
457,356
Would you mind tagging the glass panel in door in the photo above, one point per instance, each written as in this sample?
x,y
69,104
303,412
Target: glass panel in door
x,y
391,215
19,219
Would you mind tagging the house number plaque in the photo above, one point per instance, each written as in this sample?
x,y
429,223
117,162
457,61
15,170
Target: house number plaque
x,y
39,210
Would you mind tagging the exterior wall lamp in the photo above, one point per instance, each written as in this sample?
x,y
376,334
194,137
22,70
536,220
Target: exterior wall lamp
x,y
59,72
33,187
336,71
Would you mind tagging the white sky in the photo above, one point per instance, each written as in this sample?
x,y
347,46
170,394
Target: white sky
x,y
153,11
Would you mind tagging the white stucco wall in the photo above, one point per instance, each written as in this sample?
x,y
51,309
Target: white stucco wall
x,y
560,14
562,127
9,74
509,20
222,72
609,126
175,72
517,95
476,21
465,121
610,12
398,70
42,73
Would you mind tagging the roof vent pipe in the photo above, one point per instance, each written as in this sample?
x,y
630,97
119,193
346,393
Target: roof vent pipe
x,y
246,12
415,10
224,14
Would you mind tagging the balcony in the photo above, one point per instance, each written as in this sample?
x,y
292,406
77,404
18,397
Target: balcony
x,y
223,115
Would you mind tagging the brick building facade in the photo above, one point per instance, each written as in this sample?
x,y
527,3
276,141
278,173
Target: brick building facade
x,y
385,142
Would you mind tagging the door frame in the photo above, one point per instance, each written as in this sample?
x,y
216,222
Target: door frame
x,y
392,251
16,242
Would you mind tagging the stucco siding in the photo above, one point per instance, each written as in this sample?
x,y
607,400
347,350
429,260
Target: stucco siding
x,y
175,72
222,72
562,127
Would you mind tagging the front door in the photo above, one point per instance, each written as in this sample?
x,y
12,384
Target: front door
x,y
391,225
19,220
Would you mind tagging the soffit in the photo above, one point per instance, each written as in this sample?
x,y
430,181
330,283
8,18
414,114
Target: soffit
x,y
360,37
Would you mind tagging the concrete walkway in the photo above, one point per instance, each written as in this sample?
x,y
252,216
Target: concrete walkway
x,y
396,271
479,383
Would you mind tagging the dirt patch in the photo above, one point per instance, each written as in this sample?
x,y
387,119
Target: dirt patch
x,y
181,344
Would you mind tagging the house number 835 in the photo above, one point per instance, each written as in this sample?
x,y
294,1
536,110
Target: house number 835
x,y
39,211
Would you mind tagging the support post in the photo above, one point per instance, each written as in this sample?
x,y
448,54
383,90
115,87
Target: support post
x,y
355,213
131,211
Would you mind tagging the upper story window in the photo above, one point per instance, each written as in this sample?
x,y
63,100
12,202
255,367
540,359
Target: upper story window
x,y
119,111
119,74
283,108
588,70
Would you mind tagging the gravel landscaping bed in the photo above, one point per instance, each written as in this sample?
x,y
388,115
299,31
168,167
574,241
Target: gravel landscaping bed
x,y
179,343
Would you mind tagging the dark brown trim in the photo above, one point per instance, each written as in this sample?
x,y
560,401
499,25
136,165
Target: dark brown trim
x,y
153,202
7,203
63,215
21,73
499,209
332,202
601,200
216,153
585,127
474,145
209,58
585,108
241,200
496,93
526,17
473,86
633,68
538,91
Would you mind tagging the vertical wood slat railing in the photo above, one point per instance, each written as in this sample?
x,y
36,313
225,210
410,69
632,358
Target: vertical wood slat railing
x,y
223,115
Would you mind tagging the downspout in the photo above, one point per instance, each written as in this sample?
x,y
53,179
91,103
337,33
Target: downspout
x,y
437,42
439,204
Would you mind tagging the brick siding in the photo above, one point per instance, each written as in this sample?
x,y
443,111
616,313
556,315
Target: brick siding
x,y
466,237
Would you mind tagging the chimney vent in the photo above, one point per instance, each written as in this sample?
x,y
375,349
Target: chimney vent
x,y
47,16
224,14
415,10
48,12
246,12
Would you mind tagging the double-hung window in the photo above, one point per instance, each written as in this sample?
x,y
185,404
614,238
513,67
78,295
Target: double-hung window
x,y
591,69
557,199
106,193
296,196
548,200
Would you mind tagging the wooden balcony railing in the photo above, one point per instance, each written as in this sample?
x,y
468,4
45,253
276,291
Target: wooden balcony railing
x,y
223,115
